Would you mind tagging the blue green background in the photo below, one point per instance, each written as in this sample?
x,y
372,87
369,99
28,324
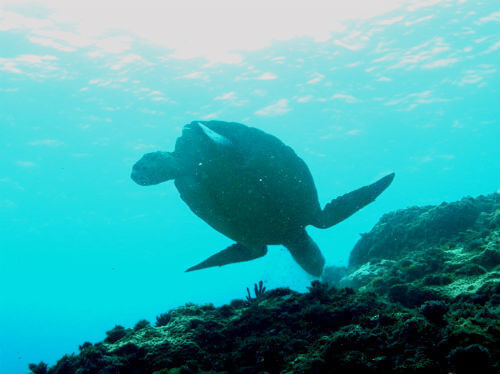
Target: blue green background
x,y
82,247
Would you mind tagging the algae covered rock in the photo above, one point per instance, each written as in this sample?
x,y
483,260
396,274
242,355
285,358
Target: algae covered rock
x,y
400,232
424,253
421,295
409,229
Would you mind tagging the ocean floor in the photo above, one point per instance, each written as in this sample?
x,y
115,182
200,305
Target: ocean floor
x,y
421,294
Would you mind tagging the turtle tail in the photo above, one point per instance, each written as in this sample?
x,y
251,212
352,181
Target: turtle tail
x,y
344,206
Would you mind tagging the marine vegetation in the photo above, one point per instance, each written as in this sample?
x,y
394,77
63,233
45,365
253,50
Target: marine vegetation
x,y
251,187
421,294
258,291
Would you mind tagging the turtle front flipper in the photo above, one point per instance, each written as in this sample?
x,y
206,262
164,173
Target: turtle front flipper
x,y
344,206
306,253
234,253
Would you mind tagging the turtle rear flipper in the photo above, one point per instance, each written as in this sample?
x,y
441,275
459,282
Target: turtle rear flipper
x,y
234,253
306,253
344,206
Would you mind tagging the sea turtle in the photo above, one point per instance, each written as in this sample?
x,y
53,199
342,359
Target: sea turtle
x,y
251,187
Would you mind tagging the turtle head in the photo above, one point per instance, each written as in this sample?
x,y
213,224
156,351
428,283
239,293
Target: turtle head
x,y
156,167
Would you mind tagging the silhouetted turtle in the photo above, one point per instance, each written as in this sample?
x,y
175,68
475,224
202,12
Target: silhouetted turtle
x,y
251,187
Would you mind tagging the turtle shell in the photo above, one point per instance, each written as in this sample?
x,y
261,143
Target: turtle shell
x,y
245,183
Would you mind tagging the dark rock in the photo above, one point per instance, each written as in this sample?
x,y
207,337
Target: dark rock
x,y
115,334
141,324
471,269
226,311
411,296
238,303
437,280
40,368
489,258
163,319
471,359
319,290
434,311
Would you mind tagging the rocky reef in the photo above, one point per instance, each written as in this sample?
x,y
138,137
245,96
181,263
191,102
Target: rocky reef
x,y
421,294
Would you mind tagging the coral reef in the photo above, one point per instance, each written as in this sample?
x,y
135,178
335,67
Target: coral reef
x,y
421,294
428,253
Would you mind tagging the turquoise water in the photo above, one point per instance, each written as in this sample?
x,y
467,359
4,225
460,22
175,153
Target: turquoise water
x,y
411,89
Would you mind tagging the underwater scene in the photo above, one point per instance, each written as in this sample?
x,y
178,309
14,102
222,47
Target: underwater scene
x,y
249,187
